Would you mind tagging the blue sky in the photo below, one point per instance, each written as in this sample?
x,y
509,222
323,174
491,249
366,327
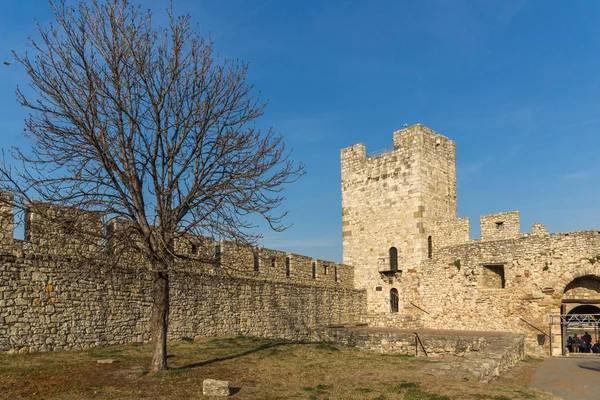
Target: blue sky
x,y
514,83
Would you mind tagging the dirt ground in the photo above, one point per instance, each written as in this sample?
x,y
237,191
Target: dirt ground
x,y
256,369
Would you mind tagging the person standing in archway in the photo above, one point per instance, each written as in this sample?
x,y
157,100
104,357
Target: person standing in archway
x,y
575,344
587,341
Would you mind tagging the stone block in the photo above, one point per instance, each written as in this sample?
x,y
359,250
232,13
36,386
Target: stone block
x,y
213,387
108,361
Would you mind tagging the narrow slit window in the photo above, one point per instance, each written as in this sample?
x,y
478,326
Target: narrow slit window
x,y
256,264
429,247
314,270
217,255
107,239
27,224
335,273
287,267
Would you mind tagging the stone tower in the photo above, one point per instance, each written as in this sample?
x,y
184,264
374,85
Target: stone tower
x,y
389,203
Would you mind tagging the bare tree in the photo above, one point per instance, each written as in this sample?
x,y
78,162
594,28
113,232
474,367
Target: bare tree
x,y
148,125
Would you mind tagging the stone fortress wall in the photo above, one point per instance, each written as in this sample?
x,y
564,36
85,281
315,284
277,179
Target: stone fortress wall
x,y
409,262
504,281
48,301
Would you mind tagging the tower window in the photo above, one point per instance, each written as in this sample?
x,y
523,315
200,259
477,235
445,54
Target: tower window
x,y
493,276
287,267
394,300
273,263
393,259
429,247
335,273
499,225
314,270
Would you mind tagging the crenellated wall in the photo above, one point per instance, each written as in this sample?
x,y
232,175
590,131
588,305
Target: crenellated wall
x,y
52,299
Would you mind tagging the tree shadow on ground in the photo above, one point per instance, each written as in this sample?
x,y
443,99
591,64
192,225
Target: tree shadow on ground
x,y
265,346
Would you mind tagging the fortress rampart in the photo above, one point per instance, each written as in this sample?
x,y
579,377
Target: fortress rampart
x,y
51,299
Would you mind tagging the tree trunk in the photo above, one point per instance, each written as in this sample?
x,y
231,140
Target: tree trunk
x,y
159,320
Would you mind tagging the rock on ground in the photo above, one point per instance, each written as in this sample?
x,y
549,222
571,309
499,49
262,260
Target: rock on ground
x,y
213,387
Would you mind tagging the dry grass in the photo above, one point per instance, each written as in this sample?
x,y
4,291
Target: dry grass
x,y
257,368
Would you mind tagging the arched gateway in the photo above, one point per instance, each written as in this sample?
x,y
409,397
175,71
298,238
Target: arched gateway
x,y
579,314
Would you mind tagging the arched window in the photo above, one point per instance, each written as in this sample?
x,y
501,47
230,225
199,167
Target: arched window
x,y
314,270
256,265
394,300
393,259
287,267
429,247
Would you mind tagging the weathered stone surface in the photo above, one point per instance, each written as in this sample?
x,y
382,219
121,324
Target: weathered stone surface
x,y
108,361
213,387
466,354
113,306
405,199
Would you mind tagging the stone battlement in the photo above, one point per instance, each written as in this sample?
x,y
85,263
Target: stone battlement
x,y
66,232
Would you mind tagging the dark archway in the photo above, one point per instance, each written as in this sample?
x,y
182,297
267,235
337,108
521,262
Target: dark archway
x,y
581,314
585,309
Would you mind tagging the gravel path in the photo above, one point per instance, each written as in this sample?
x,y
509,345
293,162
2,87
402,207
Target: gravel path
x,y
570,378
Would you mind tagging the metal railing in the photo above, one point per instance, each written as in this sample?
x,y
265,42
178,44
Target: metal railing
x,y
417,343
581,319
384,265
380,152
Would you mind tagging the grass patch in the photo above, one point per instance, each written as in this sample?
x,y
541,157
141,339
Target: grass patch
x,y
105,353
326,346
412,391
260,368
401,356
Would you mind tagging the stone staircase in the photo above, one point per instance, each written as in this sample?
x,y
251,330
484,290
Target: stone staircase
x,y
465,355
500,354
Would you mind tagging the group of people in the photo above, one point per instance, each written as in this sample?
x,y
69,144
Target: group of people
x,y
582,344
